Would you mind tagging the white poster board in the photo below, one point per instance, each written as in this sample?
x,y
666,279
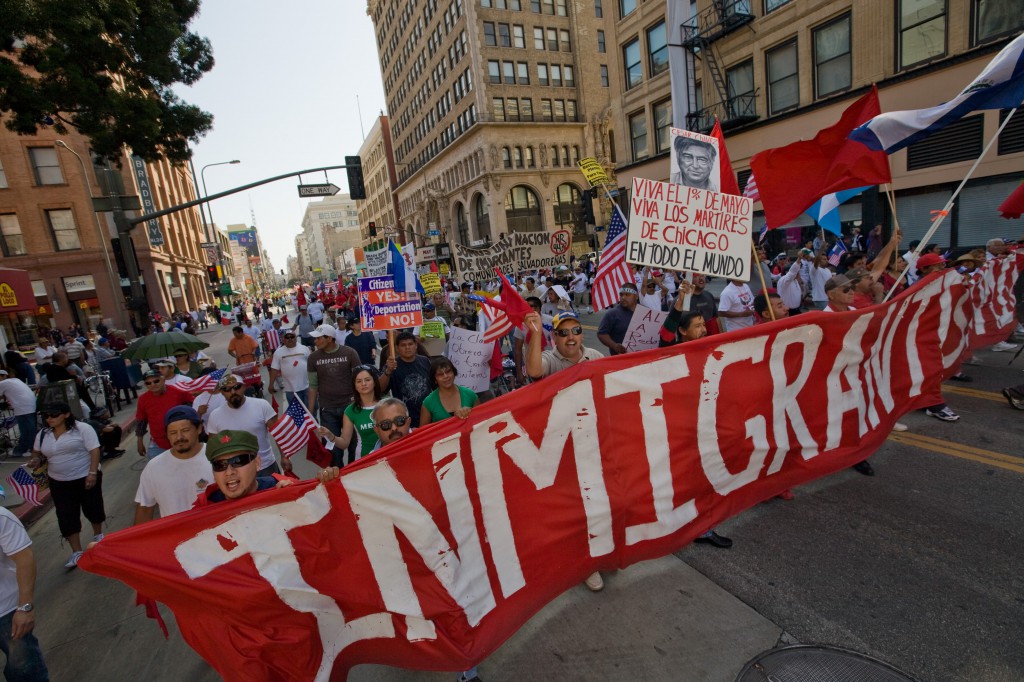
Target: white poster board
x,y
472,357
644,327
376,261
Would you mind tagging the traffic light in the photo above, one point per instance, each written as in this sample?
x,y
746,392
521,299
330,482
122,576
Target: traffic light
x,y
588,208
356,190
213,272
373,229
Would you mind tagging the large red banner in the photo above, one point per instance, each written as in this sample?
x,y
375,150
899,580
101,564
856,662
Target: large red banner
x,y
434,552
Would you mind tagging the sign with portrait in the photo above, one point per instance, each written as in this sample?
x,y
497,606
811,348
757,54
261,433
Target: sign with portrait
x,y
695,160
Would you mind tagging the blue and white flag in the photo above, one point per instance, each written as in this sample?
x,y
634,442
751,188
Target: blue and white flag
x,y
825,210
1000,86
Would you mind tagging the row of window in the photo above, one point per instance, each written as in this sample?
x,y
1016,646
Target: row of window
x,y
521,109
45,167
514,35
523,157
456,52
63,230
552,7
638,135
448,134
518,73
657,55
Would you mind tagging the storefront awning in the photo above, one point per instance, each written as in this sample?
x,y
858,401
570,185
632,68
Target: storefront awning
x,y
15,291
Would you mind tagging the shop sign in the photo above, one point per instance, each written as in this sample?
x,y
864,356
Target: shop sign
x,y
73,285
8,299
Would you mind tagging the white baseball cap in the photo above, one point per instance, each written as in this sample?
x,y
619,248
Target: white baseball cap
x,y
323,330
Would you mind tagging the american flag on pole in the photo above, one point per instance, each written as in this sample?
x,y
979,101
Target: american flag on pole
x,y
291,432
835,254
612,271
498,324
25,485
273,339
203,383
750,190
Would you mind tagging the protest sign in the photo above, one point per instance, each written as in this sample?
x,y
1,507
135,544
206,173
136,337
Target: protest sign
x,y
432,329
376,259
695,160
514,253
471,355
448,536
592,171
382,308
643,329
431,283
684,228
445,270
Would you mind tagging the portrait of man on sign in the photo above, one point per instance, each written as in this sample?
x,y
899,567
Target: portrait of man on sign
x,y
695,160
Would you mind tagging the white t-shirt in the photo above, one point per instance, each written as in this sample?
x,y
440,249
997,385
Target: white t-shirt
x,y
652,301
579,283
253,332
19,396
68,457
316,311
267,324
172,483
340,335
252,416
213,399
43,355
13,539
291,363
736,299
818,278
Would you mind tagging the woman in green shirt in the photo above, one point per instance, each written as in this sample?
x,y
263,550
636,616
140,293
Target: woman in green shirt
x,y
357,420
448,398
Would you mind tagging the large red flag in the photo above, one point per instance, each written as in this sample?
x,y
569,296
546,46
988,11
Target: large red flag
x,y
727,181
793,177
1013,205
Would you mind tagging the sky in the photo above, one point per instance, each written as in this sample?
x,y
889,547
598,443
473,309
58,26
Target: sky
x,y
283,95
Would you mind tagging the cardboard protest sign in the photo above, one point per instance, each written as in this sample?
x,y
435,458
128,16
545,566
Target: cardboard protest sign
x,y
514,253
592,171
431,283
376,259
696,161
382,308
642,332
684,228
445,270
432,329
471,355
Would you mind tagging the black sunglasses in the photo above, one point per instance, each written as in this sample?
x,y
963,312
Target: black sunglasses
x,y
388,423
575,331
236,462
154,382
51,415
366,368
233,387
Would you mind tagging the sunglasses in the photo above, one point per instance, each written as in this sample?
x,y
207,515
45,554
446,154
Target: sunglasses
x,y
236,387
366,368
51,415
388,423
154,382
236,462
575,331
289,336
181,355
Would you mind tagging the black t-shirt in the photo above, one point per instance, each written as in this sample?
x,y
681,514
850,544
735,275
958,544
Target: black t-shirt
x,y
13,358
364,345
55,372
410,383
615,323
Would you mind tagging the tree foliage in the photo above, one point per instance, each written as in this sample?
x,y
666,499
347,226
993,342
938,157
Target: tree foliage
x,y
105,68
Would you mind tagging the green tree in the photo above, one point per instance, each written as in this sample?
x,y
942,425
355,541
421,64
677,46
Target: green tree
x,y
105,68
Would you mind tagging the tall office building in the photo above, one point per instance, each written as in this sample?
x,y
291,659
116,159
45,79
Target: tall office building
x,y
491,103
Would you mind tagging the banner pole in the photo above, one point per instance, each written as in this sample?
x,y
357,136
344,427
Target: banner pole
x,y
949,204
760,273
391,342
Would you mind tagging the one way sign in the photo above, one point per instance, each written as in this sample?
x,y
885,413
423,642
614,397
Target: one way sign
x,y
321,190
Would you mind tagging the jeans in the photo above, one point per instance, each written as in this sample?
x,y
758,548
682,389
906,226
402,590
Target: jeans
x,y
152,450
24,656
332,418
26,433
25,373
302,395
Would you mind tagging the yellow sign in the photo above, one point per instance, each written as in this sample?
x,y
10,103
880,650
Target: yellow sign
x,y
8,299
431,283
593,171
445,270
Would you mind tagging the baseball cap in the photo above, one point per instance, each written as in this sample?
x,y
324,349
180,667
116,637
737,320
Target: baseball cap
x,y
563,317
103,340
323,330
4,372
929,259
627,288
181,412
428,306
230,443
228,379
836,282
161,361
854,274
152,374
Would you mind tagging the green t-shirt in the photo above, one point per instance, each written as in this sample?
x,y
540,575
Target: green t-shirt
x,y
362,420
438,412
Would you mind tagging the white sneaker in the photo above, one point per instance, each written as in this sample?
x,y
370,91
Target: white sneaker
x,y
99,537
1004,346
73,561
899,427
594,582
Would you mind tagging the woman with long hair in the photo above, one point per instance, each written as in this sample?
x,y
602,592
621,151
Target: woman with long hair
x,y
357,420
448,398
72,453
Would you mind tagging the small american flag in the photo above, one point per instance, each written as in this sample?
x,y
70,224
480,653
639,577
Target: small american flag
x,y
273,339
291,432
203,383
25,485
612,271
750,190
835,254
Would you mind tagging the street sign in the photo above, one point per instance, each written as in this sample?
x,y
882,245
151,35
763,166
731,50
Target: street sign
x,y
327,189
433,233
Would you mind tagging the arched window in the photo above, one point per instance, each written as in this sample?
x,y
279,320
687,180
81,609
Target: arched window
x,y
517,155
461,224
522,210
483,218
506,157
569,210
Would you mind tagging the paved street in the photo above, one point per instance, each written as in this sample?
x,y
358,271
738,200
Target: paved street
x,y
917,566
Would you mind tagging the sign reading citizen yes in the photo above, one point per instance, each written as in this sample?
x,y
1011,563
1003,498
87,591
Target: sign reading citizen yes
x,y
156,237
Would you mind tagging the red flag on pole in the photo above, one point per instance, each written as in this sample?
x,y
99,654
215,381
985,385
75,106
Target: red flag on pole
x,y
727,181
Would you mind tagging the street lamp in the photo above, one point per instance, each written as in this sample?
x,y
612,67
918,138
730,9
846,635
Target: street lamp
x,y
115,282
202,175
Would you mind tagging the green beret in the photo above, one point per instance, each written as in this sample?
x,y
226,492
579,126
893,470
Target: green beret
x,y
230,443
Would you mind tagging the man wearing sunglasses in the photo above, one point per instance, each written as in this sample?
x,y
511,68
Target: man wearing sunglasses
x,y
289,363
234,458
568,351
391,422
252,415
156,402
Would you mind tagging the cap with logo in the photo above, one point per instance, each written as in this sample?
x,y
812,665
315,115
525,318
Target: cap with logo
x,y
230,442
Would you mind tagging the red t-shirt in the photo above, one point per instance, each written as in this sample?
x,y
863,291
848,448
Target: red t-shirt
x,y
152,408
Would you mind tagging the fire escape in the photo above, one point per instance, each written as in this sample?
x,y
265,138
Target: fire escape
x,y
699,33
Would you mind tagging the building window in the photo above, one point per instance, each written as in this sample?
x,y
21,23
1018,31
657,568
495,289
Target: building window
x,y
565,42
538,39
996,18
626,7
498,107
567,73
553,39
833,67
740,82
526,109
559,110
518,37
542,74
462,225
772,5
504,35
483,218
65,232
568,213
494,71
506,157
783,80
3,177
517,157
922,26
657,48
604,75
556,75
45,165
510,72
530,163
512,109
522,210
545,110
523,70
600,41
565,156
549,6
598,10
662,126
489,37
11,240
535,6
570,110
633,64
638,135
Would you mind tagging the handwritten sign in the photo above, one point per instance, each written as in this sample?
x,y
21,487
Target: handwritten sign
x,y
431,283
642,332
514,253
376,260
592,171
471,355
676,227
382,308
